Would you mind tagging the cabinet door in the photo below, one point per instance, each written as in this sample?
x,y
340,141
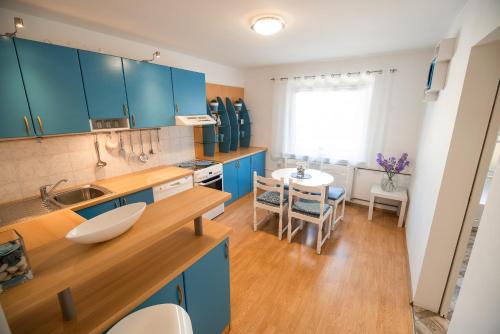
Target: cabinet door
x,y
54,87
172,293
189,92
259,163
230,180
104,85
244,176
145,195
149,93
15,117
207,291
96,210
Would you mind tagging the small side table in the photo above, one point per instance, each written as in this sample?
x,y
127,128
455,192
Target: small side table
x,y
398,195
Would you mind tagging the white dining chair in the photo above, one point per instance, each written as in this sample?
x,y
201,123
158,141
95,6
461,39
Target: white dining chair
x,y
269,194
309,205
337,190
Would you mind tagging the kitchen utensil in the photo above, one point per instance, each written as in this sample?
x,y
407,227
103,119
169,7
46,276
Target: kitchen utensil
x,y
158,139
151,143
132,155
122,152
99,163
110,143
143,157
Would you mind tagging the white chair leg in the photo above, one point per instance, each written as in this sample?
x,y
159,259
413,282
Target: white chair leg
x,y
330,226
319,242
343,209
334,214
254,218
289,228
280,225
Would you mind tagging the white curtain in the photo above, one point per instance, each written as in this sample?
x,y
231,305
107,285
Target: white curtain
x,y
339,118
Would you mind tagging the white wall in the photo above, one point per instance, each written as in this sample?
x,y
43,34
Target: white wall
x,y
436,208
41,29
479,300
405,106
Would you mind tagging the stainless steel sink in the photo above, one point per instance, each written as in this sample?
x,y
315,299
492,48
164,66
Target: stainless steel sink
x,y
77,195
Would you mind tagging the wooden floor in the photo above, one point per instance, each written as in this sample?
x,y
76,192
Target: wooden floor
x,y
359,284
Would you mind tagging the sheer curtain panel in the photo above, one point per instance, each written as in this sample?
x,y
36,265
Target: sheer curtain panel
x,y
339,118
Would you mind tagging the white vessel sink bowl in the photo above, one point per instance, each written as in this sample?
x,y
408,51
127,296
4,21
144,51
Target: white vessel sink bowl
x,y
108,225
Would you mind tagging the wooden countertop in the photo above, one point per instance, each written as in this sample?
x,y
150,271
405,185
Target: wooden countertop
x,y
129,183
233,155
108,279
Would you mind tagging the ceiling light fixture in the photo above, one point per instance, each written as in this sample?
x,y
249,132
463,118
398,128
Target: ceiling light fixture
x,y
268,25
18,23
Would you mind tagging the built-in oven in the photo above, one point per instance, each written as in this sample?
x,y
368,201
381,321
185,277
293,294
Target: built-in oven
x,y
214,182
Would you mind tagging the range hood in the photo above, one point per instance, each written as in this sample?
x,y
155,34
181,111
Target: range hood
x,y
194,120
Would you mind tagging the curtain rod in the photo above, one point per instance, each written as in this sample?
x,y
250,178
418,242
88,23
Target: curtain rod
x,y
333,75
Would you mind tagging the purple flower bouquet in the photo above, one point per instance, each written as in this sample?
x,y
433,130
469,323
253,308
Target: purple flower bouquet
x,y
392,167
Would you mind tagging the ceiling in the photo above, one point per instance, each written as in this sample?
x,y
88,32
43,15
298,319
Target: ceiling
x,y
219,30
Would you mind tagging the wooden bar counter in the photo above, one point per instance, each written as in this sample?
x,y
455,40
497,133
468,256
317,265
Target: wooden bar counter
x,y
108,280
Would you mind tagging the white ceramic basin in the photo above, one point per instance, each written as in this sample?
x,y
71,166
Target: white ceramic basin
x,y
108,225
157,319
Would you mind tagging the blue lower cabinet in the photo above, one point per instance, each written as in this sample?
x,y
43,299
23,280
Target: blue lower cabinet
x,y
145,195
244,176
230,180
259,163
207,291
96,210
172,293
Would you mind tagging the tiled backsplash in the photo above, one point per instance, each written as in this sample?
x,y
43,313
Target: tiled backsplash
x,y
25,165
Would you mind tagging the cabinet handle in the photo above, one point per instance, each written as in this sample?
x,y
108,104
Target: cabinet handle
x,y
133,120
180,295
125,109
40,124
176,108
226,250
26,125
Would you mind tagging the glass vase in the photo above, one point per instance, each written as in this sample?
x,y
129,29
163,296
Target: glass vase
x,y
389,183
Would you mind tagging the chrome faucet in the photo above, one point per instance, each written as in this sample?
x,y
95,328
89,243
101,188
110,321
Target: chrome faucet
x,y
44,193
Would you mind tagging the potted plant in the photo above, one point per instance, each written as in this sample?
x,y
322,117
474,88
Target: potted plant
x,y
392,167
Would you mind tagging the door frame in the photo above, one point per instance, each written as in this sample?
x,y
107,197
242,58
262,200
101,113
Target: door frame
x,y
487,150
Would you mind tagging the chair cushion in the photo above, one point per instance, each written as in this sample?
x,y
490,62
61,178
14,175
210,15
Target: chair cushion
x,y
309,207
272,198
334,193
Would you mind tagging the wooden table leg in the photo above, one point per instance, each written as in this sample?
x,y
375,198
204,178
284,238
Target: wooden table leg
x,y
402,212
370,209
198,226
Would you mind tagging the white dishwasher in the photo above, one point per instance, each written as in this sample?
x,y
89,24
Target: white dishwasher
x,y
171,188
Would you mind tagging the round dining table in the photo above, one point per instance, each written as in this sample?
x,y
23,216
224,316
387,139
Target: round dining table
x,y
313,177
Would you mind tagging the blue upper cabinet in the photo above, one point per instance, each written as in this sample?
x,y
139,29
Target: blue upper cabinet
x,y
104,85
207,291
189,92
149,92
54,87
15,117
